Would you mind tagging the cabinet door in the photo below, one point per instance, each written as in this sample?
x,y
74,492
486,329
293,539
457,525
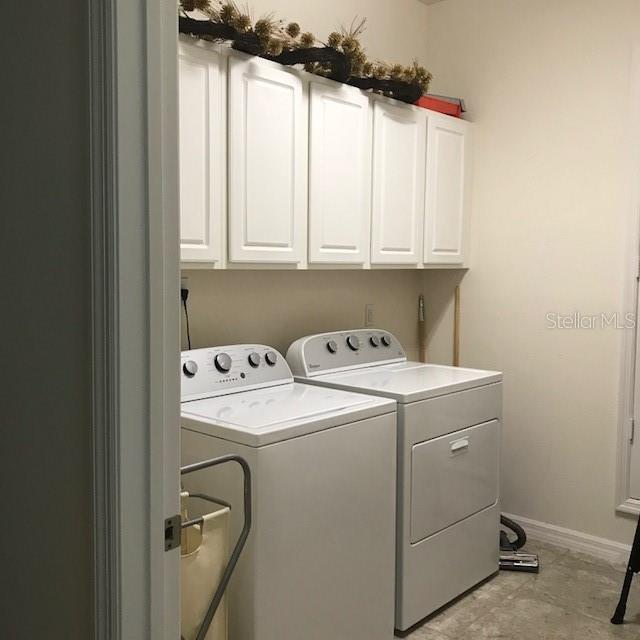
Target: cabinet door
x,y
267,163
447,189
399,137
339,174
202,153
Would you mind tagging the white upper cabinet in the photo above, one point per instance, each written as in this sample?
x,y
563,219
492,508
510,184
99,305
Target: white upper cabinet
x,y
339,174
267,163
399,137
447,190
202,82
281,168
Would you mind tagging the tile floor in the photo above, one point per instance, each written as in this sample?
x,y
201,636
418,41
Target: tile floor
x,y
572,598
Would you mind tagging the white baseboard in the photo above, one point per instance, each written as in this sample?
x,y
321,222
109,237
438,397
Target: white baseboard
x,y
574,540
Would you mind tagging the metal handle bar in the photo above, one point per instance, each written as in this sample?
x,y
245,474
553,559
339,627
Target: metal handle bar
x,y
242,539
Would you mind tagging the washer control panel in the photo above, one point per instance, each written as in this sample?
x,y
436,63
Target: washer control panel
x,y
216,371
343,350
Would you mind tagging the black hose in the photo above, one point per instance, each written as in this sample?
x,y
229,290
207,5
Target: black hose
x,y
505,543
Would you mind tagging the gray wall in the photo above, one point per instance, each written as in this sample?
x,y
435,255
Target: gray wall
x,y
45,455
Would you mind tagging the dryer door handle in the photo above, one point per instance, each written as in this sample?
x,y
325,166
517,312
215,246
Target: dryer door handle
x,y
458,446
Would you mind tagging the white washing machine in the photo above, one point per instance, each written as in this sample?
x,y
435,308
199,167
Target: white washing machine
x,y
449,422
319,562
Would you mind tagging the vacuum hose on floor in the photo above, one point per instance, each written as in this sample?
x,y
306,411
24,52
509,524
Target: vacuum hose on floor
x,y
505,543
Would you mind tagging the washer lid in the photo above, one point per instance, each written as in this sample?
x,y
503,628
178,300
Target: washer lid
x,y
408,381
264,416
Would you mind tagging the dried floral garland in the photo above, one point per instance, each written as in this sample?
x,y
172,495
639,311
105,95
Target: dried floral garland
x,y
341,58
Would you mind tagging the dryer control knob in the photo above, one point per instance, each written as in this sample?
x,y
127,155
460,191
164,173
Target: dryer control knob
x,y
271,357
223,362
190,368
375,341
254,359
386,341
332,346
353,343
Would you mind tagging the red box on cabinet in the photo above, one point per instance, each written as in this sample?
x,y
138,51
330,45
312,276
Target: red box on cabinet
x,y
448,106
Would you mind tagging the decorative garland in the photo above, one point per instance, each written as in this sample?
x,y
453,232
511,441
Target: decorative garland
x,y
341,58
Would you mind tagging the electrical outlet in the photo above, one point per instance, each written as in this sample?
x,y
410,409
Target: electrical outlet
x,y
368,315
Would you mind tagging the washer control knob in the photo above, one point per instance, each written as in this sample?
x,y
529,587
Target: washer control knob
x,y
386,340
353,343
190,368
332,346
254,359
223,362
271,357
374,341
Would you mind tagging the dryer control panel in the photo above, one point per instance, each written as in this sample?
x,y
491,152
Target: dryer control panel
x,y
215,371
342,350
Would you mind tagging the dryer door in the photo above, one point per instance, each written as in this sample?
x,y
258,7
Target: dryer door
x,y
453,477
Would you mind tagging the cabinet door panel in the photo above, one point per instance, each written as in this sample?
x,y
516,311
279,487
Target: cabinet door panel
x,y
339,175
448,179
267,164
399,135
202,153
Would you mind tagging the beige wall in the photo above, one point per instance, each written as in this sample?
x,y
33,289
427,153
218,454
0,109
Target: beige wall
x,y
276,307
395,28
547,83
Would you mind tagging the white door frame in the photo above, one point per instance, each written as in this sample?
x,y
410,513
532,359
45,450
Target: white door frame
x,y
135,271
629,402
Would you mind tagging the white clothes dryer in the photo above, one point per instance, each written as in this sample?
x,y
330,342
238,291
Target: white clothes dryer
x,y
449,422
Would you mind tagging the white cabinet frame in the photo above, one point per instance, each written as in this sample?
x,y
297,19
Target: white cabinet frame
x,y
306,171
